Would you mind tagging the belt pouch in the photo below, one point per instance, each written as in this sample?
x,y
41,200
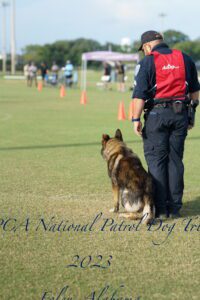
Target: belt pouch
x,y
177,107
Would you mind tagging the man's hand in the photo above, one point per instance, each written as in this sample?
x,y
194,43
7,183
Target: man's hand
x,y
138,128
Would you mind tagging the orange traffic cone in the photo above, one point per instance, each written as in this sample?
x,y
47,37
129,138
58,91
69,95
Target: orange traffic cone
x,y
83,98
39,87
130,115
62,91
121,112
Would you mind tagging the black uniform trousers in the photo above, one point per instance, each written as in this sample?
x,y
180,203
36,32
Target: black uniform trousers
x,y
164,135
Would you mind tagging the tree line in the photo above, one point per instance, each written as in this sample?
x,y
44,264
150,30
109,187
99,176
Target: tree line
x,y
60,51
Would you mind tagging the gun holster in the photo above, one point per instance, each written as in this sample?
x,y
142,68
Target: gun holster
x,y
191,111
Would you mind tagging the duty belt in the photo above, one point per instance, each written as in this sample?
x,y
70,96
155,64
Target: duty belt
x,y
166,102
169,104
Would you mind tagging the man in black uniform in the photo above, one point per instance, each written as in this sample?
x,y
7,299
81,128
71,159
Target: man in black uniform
x,y
165,80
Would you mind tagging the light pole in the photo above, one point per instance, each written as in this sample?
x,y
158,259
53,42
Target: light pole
x,y
13,38
162,16
4,4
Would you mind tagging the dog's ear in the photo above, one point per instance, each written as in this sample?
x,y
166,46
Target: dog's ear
x,y
105,138
118,135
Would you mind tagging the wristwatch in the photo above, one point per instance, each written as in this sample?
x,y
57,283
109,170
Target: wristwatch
x,y
136,120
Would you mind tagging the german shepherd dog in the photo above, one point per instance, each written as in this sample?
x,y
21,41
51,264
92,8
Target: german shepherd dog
x,y
130,181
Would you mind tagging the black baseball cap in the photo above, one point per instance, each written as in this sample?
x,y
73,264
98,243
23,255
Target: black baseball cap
x,y
149,36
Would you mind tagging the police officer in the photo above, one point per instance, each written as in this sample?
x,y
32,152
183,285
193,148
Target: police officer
x,y
164,81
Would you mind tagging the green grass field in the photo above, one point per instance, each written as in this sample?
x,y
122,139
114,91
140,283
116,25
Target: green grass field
x,y
51,167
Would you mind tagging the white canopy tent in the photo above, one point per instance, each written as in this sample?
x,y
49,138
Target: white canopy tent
x,y
103,56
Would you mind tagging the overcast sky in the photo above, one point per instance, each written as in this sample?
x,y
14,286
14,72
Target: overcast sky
x,y
45,21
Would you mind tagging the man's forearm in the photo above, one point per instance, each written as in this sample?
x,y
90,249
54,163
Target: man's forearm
x,y
138,105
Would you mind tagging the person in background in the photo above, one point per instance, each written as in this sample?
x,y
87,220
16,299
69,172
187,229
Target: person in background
x,y
33,74
44,72
114,72
107,69
68,70
107,74
55,70
120,76
27,73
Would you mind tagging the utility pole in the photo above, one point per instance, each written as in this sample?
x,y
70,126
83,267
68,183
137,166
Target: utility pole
x,y
162,16
109,47
4,4
13,55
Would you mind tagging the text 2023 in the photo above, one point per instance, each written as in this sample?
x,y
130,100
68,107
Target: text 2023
x,y
91,262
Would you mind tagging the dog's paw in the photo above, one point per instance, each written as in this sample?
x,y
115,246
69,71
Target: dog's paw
x,y
113,210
